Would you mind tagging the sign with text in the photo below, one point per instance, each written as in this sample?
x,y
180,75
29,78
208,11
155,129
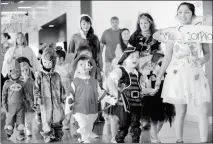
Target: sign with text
x,y
186,33
200,31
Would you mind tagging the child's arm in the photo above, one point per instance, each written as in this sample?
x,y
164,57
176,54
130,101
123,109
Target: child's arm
x,y
27,97
112,81
146,85
62,91
37,90
69,103
5,95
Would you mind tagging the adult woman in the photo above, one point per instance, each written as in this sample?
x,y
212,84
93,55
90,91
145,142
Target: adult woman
x,y
185,83
86,36
142,37
19,50
151,49
5,45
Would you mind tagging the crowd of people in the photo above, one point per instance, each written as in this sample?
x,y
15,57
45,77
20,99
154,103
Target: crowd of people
x,y
70,89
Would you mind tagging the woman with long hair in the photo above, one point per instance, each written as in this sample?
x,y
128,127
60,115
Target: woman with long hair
x,y
87,37
186,83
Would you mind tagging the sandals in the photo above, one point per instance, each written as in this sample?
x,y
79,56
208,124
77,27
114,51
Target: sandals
x,y
154,141
179,141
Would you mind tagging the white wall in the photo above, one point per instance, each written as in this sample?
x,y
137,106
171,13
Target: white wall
x,y
54,10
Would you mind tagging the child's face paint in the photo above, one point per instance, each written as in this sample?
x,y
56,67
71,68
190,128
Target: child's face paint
x,y
84,66
25,71
15,73
132,60
86,52
47,64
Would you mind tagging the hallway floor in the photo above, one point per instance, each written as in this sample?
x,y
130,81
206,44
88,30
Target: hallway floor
x,y
167,134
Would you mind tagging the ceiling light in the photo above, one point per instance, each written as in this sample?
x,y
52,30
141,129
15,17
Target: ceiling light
x,y
12,12
51,25
4,3
41,7
21,2
24,7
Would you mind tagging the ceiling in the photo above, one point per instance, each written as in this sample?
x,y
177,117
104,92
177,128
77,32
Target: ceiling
x,y
13,5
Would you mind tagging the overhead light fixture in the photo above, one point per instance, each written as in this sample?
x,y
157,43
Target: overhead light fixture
x,y
40,7
51,25
24,7
12,12
21,2
4,3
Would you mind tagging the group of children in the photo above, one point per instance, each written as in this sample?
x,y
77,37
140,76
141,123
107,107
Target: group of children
x,y
76,87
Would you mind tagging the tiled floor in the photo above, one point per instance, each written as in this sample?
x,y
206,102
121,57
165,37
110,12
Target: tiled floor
x,y
167,134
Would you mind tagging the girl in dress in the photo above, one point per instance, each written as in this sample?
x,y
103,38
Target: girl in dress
x,y
186,82
84,89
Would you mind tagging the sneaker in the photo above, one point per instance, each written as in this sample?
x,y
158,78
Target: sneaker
x,y
20,137
113,141
47,139
80,140
66,127
29,137
93,135
179,141
86,141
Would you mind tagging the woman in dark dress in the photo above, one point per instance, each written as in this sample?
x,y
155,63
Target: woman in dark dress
x,y
154,111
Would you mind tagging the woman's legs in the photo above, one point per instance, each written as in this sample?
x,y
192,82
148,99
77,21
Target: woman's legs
x,y
179,120
203,121
159,126
153,131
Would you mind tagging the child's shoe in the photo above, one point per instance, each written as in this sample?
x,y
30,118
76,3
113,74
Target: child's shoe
x,y
9,131
93,135
20,137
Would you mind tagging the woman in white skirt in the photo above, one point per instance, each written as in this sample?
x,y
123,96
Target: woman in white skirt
x,y
186,83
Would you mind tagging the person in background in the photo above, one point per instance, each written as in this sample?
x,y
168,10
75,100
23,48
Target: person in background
x,y
5,45
86,37
20,50
110,39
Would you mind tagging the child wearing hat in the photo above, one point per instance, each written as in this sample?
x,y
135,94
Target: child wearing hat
x,y
84,90
26,77
123,83
13,98
49,97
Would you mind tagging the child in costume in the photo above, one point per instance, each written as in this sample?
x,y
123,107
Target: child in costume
x,y
123,83
14,97
49,97
154,110
28,83
84,89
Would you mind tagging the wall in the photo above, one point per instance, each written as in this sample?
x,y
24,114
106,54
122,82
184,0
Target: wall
x,y
53,10
62,33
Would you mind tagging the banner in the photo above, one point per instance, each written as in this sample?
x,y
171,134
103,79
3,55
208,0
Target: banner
x,y
186,33
200,31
